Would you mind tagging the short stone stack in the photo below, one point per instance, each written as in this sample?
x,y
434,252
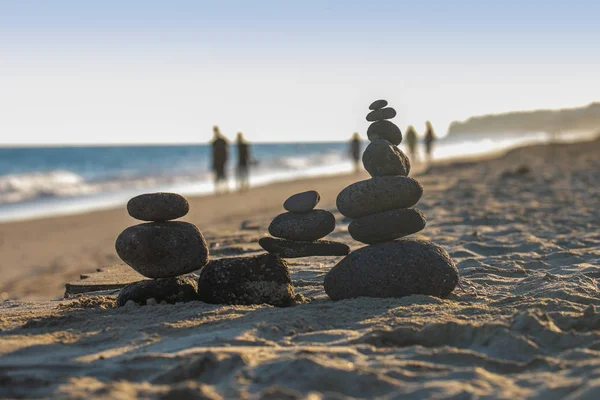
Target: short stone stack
x,y
161,249
381,213
297,233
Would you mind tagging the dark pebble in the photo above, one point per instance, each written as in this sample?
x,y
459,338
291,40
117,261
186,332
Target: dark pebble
x,y
158,206
383,113
386,225
263,279
393,269
377,104
172,290
378,194
308,226
163,249
385,130
302,202
294,249
382,158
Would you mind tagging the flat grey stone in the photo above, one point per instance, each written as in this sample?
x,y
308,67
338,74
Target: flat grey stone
x,y
158,206
163,249
386,225
377,104
302,202
382,113
382,158
399,268
386,130
172,290
262,279
294,249
378,194
307,226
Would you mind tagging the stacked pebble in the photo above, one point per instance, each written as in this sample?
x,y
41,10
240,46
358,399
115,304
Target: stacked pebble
x,y
381,213
161,249
298,231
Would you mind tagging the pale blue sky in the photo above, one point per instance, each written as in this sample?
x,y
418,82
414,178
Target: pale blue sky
x,y
150,71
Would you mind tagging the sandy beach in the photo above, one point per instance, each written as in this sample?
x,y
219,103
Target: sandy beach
x,y
522,228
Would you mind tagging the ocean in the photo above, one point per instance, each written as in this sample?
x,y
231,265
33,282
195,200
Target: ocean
x,y
46,181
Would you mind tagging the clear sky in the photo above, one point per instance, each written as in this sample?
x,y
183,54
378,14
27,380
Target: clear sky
x,y
166,71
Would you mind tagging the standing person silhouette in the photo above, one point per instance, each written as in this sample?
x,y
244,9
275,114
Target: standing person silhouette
x,y
242,173
219,161
411,141
355,151
429,139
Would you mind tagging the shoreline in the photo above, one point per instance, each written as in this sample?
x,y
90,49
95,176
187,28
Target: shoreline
x,y
58,249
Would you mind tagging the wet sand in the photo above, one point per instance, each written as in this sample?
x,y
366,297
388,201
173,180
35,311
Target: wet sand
x,y
522,229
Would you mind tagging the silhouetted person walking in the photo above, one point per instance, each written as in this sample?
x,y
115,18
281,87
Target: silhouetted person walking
x,y
244,158
355,151
411,142
219,160
429,139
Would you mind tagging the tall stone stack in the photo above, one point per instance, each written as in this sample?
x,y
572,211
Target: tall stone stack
x,y
161,249
381,212
298,232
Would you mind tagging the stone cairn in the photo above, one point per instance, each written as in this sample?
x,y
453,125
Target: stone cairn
x,y
161,249
299,231
164,250
381,213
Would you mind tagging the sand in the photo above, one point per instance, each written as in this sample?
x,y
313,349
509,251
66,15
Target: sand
x,y
524,324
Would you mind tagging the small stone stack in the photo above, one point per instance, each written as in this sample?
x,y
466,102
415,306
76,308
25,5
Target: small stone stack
x,y
298,231
381,213
162,250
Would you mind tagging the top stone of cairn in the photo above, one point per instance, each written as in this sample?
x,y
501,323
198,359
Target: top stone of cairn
x,y
302,202
158,207
377,104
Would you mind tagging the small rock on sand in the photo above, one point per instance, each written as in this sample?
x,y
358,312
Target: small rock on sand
x,y
262,279
399,268
382,158
163,249
294,249
158,206
385,130
378,194
387,225
151,292
302,202
307,226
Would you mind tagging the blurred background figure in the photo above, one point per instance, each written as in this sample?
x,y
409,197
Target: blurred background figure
x,y
355,151
411,142
429,139
244,159
219,161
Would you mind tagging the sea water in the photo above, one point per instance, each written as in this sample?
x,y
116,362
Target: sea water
x,y
46,181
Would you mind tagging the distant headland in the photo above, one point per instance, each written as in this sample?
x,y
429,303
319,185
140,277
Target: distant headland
x,y
551,121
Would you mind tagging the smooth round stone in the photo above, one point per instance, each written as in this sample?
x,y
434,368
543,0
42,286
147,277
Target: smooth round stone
x,y
163,249
382,158
171,290
307,226
294,249
158,206
381,114
385,130
377,104
386,225
263,279
302,202
378,194
393,269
